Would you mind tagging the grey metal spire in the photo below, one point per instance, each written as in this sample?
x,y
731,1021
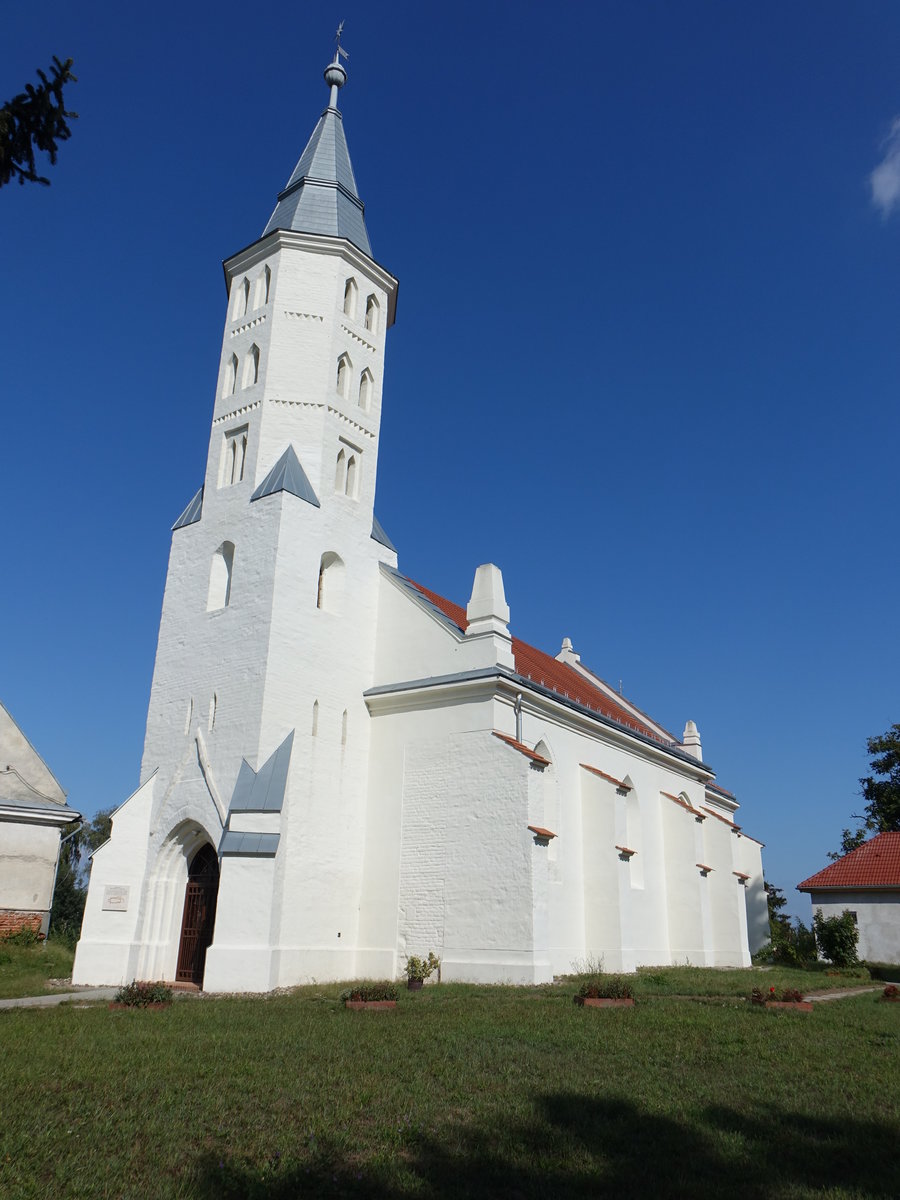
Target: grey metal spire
x,y
321,196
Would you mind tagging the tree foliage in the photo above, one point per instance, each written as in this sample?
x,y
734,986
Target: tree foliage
x,y
790,942
73,873
837,937
880,790
36,119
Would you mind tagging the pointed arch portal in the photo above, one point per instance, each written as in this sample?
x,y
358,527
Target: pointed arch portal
x,y
199,917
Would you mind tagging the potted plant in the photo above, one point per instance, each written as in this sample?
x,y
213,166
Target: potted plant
x,y
370,995
417,970
138,994
605,991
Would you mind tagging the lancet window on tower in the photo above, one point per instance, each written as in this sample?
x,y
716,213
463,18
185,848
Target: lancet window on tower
x,y
366,385
342,379
261,289
372,314
220,577
340,472
251,366
229,384
234,456
352,475
331,582
242,299
350,294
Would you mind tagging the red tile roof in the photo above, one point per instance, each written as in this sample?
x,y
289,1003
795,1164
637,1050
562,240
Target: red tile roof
x,y
522,748
543,669
541,833
874,864
620,784
684,804
719,817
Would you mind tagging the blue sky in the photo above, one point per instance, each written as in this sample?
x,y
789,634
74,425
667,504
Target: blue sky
x,y
646,353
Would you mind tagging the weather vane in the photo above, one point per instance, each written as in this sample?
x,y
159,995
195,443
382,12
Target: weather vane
x,y
337,37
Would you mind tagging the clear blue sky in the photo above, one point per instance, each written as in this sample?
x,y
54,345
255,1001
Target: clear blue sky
x,y
646,356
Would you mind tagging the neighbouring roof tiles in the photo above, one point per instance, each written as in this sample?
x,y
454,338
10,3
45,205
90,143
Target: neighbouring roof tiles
x,y
874,864
541,833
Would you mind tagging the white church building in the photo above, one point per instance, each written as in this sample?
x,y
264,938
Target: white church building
x,y
342,767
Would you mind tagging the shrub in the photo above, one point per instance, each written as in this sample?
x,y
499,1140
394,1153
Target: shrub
x,y
891,992
885,971
421,968
138,994
836,938
604,987
25,935
370,991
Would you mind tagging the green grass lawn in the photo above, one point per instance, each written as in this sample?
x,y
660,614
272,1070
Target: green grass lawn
x,y
460,1091
25,970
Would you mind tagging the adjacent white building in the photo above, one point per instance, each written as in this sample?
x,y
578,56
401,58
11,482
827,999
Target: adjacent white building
x,y
342,767
34,816
866,883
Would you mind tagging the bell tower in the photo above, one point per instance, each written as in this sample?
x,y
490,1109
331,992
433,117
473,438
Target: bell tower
x,y
257,737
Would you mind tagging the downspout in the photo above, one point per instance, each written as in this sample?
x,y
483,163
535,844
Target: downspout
x,y
518,710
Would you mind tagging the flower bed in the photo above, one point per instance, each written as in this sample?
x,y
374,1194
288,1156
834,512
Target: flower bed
x,y
370,995
605,991
142,995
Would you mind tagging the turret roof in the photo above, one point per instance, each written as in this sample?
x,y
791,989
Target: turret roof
x,y
320,196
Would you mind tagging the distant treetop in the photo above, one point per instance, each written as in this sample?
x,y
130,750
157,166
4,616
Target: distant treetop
x,y
36,119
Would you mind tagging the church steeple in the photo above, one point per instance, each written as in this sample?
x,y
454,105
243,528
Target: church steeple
x,y
320,196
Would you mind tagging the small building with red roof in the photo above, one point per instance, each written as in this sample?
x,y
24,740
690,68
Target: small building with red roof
x,y
865,882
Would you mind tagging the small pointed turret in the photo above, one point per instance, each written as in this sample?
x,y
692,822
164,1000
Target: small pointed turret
x,y
321,196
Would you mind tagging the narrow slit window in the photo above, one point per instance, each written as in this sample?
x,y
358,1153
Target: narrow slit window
x,y
342,379
340,472
251,366
231,373
352,475
220,572
366,383
372,314
350,291
331,582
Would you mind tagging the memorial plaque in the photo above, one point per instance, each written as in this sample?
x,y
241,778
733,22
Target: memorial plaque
x,y
115,899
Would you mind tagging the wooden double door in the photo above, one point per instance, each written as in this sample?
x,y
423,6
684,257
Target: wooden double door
x,y
199,918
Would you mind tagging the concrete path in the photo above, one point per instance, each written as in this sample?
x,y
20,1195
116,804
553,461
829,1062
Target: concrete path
x,y
106,993
839,995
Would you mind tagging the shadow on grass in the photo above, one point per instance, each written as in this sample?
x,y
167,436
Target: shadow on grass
x,y
579,1146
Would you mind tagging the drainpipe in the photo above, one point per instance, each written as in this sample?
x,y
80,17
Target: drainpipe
x,y
518,710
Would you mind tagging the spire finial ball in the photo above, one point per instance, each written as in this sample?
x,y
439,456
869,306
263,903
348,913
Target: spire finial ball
x,y
335,75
